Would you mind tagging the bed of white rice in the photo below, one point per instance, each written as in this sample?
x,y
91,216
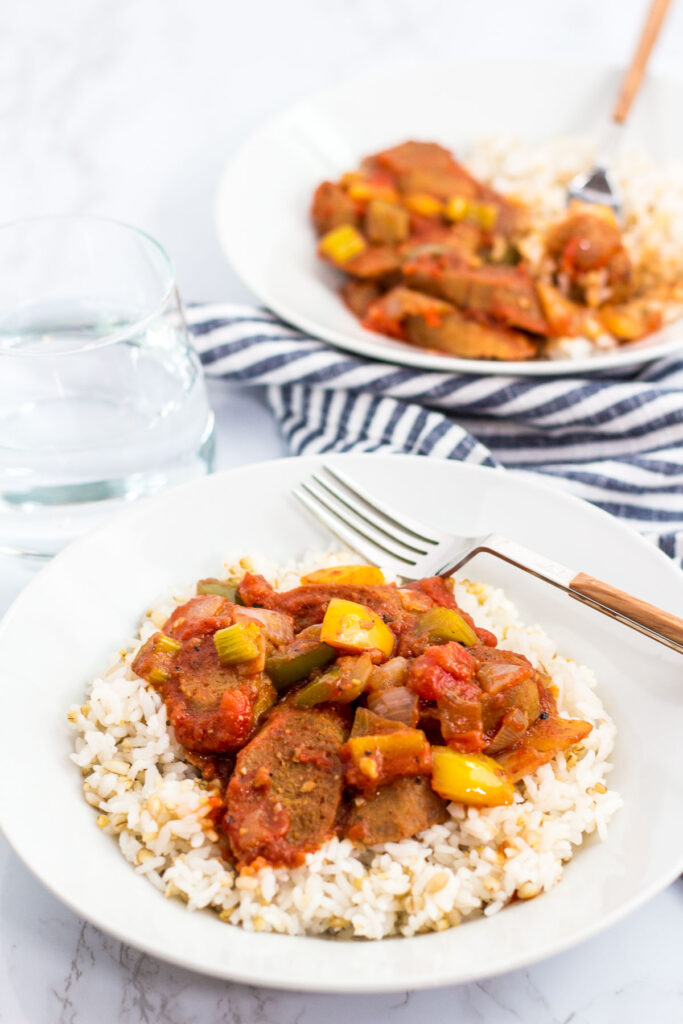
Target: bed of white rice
x,y
652,209
156,806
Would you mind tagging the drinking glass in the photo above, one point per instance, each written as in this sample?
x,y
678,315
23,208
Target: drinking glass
x,y
102,398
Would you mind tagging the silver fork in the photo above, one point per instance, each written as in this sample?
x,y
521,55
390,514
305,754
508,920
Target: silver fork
x,y
597,186
410,550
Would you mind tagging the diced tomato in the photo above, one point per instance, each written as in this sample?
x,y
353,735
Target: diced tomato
x,y
224,728
435,672
200,615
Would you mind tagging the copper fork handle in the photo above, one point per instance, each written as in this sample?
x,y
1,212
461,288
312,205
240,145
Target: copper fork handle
x,y
634,74
632,607
659,625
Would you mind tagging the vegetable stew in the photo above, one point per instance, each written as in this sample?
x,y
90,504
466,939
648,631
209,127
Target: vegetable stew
x,y
436,258
346,706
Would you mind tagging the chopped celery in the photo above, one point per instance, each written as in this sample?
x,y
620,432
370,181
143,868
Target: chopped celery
x,y
223,588
238,643
445,624
158,675
166,644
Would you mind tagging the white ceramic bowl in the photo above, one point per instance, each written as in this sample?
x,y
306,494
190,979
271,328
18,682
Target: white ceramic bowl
x,y
61,628
264,198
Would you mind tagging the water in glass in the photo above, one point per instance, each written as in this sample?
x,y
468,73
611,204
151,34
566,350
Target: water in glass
x,y
101,402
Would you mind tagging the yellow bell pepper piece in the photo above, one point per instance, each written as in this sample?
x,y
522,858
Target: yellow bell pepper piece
x,y
484,215
355,628
424,204
623,322
363,575
373,760
456,208
341,244
472,779
349,178
366,190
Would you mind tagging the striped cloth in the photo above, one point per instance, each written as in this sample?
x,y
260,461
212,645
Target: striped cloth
x,y
616,441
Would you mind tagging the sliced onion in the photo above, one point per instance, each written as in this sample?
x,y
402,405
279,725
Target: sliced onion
x,y
396,703
356,666
414,600
392,673
494,676
278,626
513,725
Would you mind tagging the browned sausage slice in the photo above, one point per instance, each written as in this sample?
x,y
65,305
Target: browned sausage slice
x,y
460,336
308,604
213,708
332,206
505,293
396,811
284,795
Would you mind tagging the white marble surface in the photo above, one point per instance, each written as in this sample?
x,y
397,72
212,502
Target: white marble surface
x,y
129,109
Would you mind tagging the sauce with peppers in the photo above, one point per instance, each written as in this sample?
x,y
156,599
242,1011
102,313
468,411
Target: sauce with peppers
x,y
346,706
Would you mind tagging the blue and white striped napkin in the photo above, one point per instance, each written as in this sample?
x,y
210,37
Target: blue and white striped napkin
x,y
616,441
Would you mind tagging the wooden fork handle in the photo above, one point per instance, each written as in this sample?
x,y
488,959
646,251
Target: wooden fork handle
x,y
634,74
640,611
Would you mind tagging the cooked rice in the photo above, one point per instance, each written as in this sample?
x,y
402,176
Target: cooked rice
x,y
652,210
156,805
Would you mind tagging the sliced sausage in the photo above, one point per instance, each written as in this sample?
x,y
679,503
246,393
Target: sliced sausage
x,y
396,811
506,294
459,336
284,795
308,604
332,206
213,708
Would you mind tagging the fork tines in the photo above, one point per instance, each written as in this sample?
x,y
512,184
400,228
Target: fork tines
x,y
367,525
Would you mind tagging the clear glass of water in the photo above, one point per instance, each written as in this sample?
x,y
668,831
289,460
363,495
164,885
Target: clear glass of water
x,y
102,398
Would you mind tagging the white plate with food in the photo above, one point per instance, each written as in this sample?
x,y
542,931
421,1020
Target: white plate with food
x,y
462,256
298,874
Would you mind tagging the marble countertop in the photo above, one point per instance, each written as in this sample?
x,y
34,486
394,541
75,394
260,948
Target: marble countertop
x,y
130,110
